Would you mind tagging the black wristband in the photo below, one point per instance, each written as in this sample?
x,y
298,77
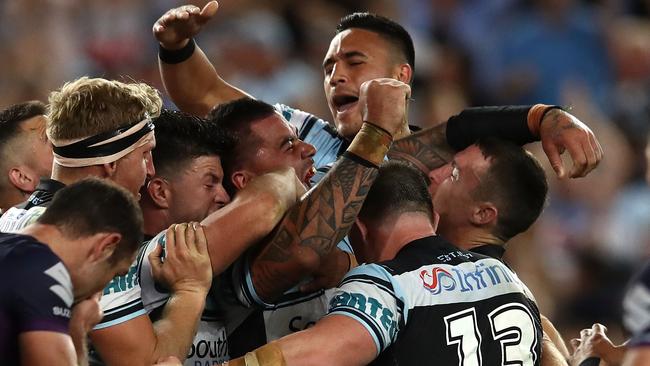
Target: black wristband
x,y
591,361
508,123
359,160
177,56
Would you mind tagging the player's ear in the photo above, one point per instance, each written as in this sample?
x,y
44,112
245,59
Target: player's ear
x,y
241,178
363,229
23,178
109,169
159,192
104,245
484,213
405,73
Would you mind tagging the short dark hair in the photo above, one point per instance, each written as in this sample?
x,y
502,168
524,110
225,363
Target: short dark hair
x,y
235,119
388,29
398,188
515,182
181,137
92,206
12,116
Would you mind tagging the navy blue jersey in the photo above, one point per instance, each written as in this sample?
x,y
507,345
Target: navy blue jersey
x,y
435,302
636,309
35,292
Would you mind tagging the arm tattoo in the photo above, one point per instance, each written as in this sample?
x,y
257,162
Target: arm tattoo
x,y
312,227
426,149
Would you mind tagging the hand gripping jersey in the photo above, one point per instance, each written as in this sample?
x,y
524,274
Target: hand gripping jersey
x,y
636,309
437,303
210,345
35,292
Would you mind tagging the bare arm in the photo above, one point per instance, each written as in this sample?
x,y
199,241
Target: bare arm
x,y
555,337
325,215
46,348
186,272
194,85
251,216
334,340
551,356
311,229
558,131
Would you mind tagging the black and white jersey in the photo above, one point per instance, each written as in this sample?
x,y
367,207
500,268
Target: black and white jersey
x,y
636,309
435,302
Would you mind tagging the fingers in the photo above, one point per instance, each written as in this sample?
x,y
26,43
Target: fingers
x,y
575,343
579,157
201,239
190,236
554,158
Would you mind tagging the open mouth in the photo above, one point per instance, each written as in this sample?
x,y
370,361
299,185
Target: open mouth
x,y
344,102
308,175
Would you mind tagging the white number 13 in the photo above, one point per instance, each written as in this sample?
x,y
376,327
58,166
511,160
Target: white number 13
x,y
511,324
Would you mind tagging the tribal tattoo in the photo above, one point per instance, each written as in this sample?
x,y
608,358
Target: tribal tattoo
x,y
312,228
425,150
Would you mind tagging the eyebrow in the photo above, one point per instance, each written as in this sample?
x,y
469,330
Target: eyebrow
x,y
347,55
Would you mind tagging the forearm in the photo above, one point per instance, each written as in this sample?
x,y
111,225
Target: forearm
x,y
430,148
312,228
176,329
555,337
247,220
426,149
551,355
195,86
79,339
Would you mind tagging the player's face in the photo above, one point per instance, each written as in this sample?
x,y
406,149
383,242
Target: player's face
x,y
93,277
197,191
354,56
279,148
133,169
457,180
40,148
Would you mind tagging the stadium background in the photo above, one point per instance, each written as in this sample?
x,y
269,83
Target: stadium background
x,y
591,55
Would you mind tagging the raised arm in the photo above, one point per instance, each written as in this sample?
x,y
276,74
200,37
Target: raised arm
x,y
188,76
558,131
324,216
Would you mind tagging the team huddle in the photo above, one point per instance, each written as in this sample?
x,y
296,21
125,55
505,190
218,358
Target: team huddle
x,y
239,232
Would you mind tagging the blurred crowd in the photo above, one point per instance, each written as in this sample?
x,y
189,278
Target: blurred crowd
x,y
593,56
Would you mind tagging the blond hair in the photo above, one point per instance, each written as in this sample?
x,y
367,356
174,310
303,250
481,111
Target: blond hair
x,y
87,107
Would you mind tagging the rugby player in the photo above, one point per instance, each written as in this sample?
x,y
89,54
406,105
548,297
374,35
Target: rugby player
x,y
365,47
68,255
419,299
187,186
195,86
103,128
26,152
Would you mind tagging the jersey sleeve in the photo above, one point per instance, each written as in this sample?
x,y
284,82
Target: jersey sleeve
x,y
121,300
43,297
636,309
369,295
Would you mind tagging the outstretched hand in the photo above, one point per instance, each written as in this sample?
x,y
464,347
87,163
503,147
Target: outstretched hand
x,y
175,28
560,131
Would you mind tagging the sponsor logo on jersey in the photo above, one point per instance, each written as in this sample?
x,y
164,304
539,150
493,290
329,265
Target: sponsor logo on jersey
x,y
123,283
368,305
468,277
437,279
210,346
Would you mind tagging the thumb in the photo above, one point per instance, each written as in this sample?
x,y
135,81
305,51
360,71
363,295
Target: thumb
x,y
209,10
155,258
554,158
